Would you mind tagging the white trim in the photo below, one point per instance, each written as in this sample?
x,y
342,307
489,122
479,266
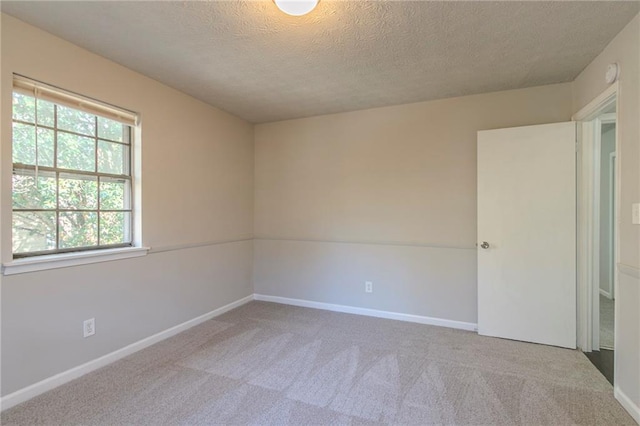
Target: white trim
x,y
595,234
369,312
64,260
605,293
163,249
364,242
59,379
608,118
612,222
593,108
586,226
629,270
627,403
616,240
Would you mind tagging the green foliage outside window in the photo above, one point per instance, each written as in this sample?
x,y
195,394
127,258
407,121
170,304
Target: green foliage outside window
x,y
74,191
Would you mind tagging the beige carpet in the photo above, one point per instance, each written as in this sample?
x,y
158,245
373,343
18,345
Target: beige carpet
x,y
607,307
269,364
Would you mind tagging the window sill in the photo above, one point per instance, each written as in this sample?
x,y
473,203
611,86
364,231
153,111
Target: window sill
x,y
64,260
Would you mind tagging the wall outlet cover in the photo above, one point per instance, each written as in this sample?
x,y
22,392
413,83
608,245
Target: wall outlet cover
x,y
368,287
89,327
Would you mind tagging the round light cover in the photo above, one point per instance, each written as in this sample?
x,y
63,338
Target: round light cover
x,y
296,7
613,70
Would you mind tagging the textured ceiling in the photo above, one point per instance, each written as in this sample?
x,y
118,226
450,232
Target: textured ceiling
x,y
248,58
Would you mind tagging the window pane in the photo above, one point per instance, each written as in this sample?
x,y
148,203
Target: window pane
x,y
45,113
113,158
78,229
45,147
34,231
114,194
28,195
114,228
24,145
76,121
78,192
109,129
76,152
64,206
24,137
24,108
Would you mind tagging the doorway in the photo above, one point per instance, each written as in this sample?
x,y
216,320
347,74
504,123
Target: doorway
x,y
603,354
606,276
598,232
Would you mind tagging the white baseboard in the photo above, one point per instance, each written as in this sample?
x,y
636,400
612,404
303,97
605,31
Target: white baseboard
x,y
628,405
45,385
369,312
59,379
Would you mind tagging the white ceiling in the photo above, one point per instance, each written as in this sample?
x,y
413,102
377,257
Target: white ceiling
x,y
248,58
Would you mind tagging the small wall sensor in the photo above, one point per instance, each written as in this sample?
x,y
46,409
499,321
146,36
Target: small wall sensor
x,y
613,70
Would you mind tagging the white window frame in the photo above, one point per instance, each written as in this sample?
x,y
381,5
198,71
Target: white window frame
x,y
83,256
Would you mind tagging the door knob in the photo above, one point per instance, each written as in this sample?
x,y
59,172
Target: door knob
x,y
484,245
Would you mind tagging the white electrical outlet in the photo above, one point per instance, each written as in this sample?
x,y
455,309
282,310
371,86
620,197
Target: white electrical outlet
x,y
89,327
368,287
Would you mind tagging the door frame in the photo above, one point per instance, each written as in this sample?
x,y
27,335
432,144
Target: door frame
x,y
597,243
613,166
588,170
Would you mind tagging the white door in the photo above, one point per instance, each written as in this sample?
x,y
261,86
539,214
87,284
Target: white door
x,y
527,234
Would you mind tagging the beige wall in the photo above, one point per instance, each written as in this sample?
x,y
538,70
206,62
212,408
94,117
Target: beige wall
x,y
387,195
197,178
625,50
398,174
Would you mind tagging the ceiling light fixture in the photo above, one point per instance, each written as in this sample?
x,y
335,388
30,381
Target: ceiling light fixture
x,y
296,7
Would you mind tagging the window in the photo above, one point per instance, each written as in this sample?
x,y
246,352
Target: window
x,y
72,180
